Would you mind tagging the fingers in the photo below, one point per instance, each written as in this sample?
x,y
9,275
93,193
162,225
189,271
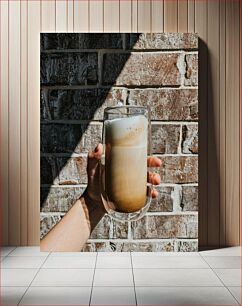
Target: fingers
x,y
97,153
153,161
93,160
154,193
154,178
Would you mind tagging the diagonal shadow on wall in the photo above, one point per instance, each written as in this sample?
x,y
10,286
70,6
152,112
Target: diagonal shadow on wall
x,y
75,88
81,74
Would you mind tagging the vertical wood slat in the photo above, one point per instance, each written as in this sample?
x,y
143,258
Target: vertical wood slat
x,y
182,16
48,16
96,16
23,124
213,124
144,15
61,16
111,16
232,122
134,19
70,16
170,15
81,14
14,122
33,122
4,123
125,16
201,28
222,120
157,13
191,16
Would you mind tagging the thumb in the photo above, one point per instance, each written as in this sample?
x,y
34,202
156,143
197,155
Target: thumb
x,y
93,159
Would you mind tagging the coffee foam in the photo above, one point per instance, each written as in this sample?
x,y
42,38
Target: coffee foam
x,y
131,131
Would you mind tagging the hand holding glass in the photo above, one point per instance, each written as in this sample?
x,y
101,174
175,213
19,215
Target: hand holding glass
x,y
125,192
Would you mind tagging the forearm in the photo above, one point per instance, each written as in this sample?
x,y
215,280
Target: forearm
x,y
72,232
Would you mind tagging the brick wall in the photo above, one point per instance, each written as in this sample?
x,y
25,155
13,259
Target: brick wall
x,y
81,74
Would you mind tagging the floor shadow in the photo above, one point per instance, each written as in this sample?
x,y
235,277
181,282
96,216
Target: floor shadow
x,y
68,61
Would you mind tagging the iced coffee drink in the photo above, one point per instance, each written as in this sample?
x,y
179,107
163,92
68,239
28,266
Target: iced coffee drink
x,y
126,162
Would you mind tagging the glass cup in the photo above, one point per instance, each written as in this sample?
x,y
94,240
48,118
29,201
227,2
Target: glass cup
x,y
125,192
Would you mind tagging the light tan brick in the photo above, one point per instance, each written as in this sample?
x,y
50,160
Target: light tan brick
x,y
191,75
190,139
136,246
187,246
189,198
167,104
166,226
163,202
165,138
178,169
59,198
162,41
141,69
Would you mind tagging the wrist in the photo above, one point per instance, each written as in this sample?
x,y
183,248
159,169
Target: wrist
x,y
90,200
94,208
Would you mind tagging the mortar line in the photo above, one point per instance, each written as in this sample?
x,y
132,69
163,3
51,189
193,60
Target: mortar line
x,y
14,248
239,302
84,154
155,213
117,86
133,278
213,270
90,299
84,185
100,122
148,240
179,149
33,278
122,51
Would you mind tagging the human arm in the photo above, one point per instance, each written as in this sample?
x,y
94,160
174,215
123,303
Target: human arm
x,y
72,232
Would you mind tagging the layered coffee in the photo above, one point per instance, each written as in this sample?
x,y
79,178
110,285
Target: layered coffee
x,y
126,162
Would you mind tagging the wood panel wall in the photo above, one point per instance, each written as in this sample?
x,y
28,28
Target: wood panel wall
x,y
216,22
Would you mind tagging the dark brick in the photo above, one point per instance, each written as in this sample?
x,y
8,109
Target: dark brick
x,y
69,138
72,170
187,246
110,229
103,229
167,104
190,139
47,222
84,104
59,199
141,69
178,169
48,170
68,68
136,246
63,170
165,138
167,226
164,201
162,41
119,230
62,41
191,75
189,198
